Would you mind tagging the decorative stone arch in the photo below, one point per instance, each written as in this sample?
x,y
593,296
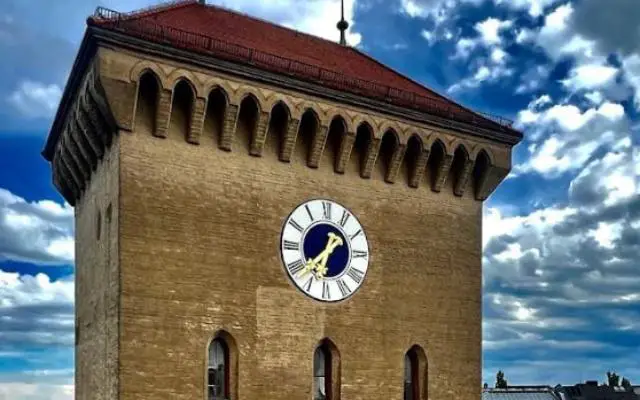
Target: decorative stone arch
x,y
348,122
284,104
144,66
212,85
179,74
415,134
244,91
185,79
475,152
361,118
314,112
276,98
456,143
387,125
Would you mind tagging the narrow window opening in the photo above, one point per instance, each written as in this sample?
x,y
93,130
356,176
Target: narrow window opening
x,y
213,122
436,158
414,149
306,135
109,213
278,123
181,109
98,225
479,171
337,132
247,121
387,148
415,374
147,103
359,152
460,157
322,373
218,371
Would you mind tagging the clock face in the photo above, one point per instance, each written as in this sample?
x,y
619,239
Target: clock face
x,y
324,250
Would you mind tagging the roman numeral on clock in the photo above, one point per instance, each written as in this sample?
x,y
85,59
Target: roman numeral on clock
x,y
295,267
289,245
307,286
296,225
355,235
344,289
326,210
326,295
355,274
306,206
356,253
344,218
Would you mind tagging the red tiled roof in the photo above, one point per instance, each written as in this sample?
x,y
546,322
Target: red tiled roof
x,y
206,28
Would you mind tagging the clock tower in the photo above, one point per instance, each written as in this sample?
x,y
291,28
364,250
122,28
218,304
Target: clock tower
x,y
264,214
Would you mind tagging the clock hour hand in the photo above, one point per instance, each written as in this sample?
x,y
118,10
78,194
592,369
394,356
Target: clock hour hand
x,y
318,265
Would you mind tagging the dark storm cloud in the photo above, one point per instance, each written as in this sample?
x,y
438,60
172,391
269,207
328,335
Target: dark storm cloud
x,y
613,24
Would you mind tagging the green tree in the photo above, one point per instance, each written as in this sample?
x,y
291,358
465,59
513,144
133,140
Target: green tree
x,y
501,383
613,379
626,384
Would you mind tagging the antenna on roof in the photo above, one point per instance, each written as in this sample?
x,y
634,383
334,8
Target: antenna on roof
x,y
342,26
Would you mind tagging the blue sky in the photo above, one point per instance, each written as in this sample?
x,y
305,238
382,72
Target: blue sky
x,y
561,235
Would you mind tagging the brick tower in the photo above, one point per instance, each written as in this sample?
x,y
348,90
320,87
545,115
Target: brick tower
x,y
263,214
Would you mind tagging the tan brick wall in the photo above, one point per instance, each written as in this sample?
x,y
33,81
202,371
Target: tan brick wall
x,y
193,248
97,283
199,252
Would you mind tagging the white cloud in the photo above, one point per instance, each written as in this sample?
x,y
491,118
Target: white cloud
x,y
39,232
572,136
314,17
35,99
535,8
498,56
590,76
631,66
484,74
595,97
558,40
35,391
490,29
464,47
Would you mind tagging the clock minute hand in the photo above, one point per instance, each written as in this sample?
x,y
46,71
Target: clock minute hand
x,y
319,263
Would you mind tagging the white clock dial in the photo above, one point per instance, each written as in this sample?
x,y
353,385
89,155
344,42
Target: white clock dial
x,y
324,250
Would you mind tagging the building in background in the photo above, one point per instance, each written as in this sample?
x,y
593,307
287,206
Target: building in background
x,y
589,390
520,393
264,214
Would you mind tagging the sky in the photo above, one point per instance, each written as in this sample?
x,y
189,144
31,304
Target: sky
x,y
561,235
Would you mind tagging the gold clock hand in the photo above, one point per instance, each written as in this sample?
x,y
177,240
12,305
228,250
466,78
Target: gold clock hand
x,y
319,264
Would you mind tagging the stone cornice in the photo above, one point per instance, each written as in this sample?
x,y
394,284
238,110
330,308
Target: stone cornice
x,y
97,36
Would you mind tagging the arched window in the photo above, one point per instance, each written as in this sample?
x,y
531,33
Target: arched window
x,y
326,370
218,370
415,374
321,379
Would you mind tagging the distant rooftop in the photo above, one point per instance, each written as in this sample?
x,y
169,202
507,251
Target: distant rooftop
x,y
520,393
